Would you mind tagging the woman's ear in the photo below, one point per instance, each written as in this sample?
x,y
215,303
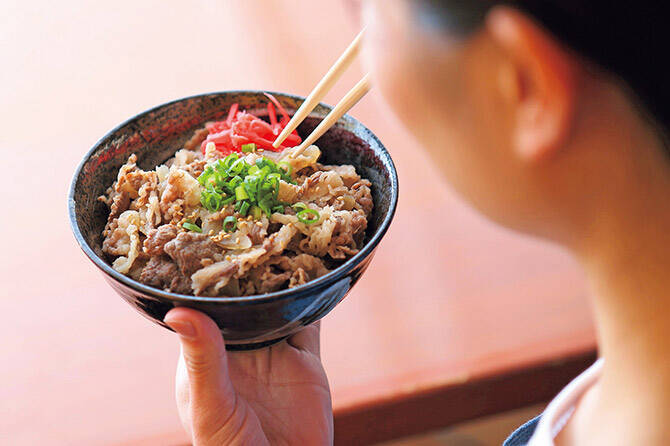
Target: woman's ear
x,y
539,80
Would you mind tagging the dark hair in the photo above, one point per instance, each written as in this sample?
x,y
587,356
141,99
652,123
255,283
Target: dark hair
x,y
627,39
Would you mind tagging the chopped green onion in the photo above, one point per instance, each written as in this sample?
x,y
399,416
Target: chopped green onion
x,y
229,160
240,193
305,212
270,162
206,175
210,200
191,227
299,206
251,184
232,181
273,180
247,148
244,208
265,206
229,224
256,212
237,167
286,167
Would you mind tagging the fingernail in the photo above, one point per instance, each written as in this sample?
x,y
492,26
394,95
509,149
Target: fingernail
x,y
183,328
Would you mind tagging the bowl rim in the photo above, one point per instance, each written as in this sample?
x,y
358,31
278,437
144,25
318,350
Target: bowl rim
x,y
332,276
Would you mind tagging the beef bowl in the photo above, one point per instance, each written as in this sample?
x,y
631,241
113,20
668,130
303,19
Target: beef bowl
x,y
255,311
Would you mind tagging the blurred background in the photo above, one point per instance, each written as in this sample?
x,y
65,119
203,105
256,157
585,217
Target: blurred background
x,y
453,315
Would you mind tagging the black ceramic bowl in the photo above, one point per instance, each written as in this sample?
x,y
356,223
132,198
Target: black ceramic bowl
x,y
251,321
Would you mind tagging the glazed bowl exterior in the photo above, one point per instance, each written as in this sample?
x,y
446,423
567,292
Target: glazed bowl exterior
x,y
246,322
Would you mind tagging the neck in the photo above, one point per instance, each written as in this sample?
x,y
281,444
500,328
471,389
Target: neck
x,y
627,259
631,296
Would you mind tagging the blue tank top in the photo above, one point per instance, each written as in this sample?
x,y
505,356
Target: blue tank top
x,y
521,436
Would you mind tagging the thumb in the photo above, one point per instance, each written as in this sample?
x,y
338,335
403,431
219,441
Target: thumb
x,y
214,407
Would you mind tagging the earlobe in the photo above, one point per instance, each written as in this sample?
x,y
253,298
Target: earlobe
x,y
539,82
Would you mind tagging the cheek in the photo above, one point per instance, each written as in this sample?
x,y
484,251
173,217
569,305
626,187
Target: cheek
x,y
397,87
427,93
384,56
445,96
420,87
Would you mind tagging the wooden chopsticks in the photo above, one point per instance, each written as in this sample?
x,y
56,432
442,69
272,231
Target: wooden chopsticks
x,y
348,101
321,89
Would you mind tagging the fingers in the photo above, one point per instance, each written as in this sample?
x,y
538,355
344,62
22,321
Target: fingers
x,y
212,399
182,394
308,339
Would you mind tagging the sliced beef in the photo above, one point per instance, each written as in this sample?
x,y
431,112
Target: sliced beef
x,y
189,249
363,195
162,272
131,178
347,235
276,243
305,262
273,281
257,233
299,277
209,280
319,184
157,238
267,279
120,203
